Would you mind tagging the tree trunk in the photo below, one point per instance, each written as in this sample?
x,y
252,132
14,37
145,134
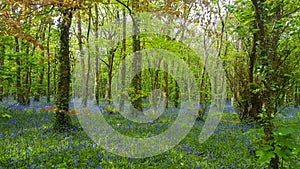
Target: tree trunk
x,y
166,86
155,82
137,59
27,85
26,78
97,65
2,53
48,65
109,76
63,121
177,95
267,52
254,97
54,75
268,130
19,91
89,57
123,71
202,76
40,92
82,62
41,80
297,95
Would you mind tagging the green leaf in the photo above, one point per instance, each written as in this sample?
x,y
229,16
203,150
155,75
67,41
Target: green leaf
x,y
6,116
265,157
285,130
266,147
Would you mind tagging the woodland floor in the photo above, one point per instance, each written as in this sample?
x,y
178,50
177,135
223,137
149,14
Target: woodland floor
x,y
27,140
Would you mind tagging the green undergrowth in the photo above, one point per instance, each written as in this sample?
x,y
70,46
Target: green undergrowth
x,y
27,140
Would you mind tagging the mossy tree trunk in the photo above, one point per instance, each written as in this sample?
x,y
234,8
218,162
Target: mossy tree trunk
x,y
19,93
137,59
63,121
2,53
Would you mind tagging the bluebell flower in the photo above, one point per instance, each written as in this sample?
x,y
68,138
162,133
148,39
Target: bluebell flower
x,y
248,139
90,163
10,164
107,158
75,161
290,114
67,148
99,157
153,159
197,153
210,157
250,150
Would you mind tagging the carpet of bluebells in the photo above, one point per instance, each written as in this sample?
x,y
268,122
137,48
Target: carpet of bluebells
x,y
27,140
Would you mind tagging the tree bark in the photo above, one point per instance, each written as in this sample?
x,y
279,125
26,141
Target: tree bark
x,y
267,44
48,65
123,71
82,62
19,93
88,57
109,76
41,74
2,53
63,120
137,58
166,86
55,75
201,88
297,95
97,65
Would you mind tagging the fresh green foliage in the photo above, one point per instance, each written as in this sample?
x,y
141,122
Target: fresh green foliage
x,y
257,40
285,140
33,143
